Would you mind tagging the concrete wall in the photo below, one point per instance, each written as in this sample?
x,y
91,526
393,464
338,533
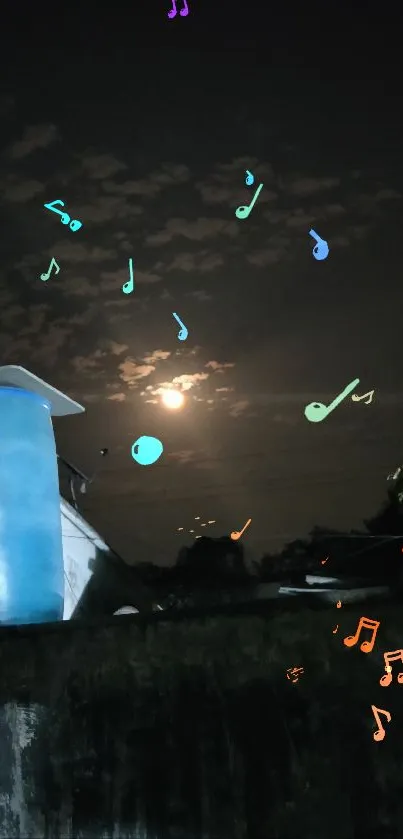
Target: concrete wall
x,y
187,727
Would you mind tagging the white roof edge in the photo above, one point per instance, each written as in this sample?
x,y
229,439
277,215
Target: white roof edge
x,y
61,405
76,518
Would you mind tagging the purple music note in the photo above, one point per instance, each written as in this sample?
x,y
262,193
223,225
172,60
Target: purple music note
x,y
183,12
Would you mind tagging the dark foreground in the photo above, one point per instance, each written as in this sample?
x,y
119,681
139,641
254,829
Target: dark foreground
x,y
187,726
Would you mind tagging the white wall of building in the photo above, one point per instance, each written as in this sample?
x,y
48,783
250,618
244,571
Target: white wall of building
x,y
80,543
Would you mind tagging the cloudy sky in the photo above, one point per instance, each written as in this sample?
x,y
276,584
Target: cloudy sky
x,y
144,127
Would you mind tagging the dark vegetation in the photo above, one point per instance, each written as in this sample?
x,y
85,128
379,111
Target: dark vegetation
x,y
214,570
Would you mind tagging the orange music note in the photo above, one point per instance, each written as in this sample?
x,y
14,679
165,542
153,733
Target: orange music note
x,y
380,733
366,646
396,655
335,630
236,534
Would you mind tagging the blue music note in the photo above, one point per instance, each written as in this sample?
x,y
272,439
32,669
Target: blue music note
x,y
250,179
183,333
320,250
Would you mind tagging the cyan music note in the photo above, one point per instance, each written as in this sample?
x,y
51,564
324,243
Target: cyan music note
x,y
317,411
45,277
320,250
75,225
249,180
128,287
244,211
183,333
65,218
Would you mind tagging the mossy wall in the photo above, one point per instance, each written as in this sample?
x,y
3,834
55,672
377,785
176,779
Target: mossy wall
x,y
168,727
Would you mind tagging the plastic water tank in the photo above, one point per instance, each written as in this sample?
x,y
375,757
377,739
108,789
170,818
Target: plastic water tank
x,y
31,552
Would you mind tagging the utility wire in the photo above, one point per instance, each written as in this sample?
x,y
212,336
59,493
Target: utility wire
x,y
159,467
211,490
68,581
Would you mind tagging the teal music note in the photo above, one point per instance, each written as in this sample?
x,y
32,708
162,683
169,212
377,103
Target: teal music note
x,y
45,277
244,211
128,287
317,411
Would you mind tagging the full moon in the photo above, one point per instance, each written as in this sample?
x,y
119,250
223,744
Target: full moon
x,y
172,399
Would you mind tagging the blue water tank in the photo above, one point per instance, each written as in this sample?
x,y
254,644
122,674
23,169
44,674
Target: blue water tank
x,y
31,551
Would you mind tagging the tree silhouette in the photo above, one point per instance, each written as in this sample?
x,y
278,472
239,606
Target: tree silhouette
x,y
210,569
211,562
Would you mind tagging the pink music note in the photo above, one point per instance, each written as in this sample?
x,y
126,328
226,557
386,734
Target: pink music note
x,y
380,733
396,655
366,646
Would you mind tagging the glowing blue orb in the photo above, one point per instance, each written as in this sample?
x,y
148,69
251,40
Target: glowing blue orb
x,y
146,450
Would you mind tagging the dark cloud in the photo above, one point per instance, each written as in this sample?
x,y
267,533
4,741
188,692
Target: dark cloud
x,y
155,171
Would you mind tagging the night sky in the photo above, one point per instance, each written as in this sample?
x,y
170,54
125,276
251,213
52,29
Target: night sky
x,y
145,127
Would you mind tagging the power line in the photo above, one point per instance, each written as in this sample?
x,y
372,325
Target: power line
x,y
370,547
211,490
68,581
264,455
382,536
